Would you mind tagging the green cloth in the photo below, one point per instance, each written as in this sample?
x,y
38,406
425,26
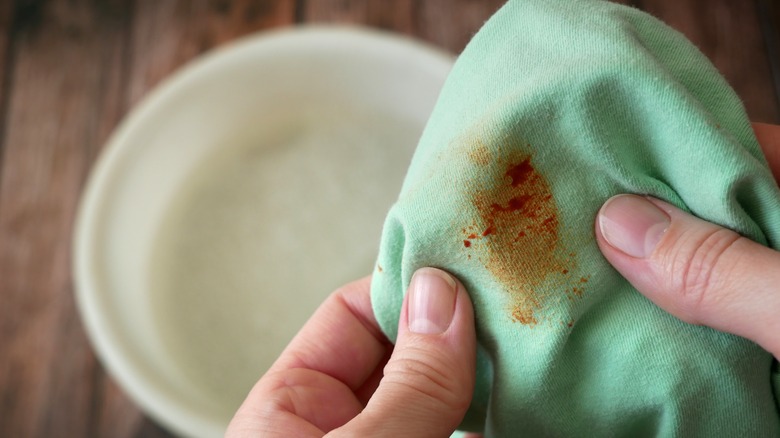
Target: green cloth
x,y
555,106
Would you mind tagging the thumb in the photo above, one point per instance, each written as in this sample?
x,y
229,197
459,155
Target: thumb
x,y
429,380
697,271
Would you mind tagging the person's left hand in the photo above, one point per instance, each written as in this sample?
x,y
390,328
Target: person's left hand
x,y
330,377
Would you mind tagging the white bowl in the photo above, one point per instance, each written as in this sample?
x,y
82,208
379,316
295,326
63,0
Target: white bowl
x,y
234,199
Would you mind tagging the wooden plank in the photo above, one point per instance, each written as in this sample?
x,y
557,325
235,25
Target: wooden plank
x,y
169,33
769,15
452,24
729,34
65,84
449,24
164,36
6,57
6,30
398,17
73,64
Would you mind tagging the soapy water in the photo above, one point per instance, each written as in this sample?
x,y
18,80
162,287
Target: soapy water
x,y
263,231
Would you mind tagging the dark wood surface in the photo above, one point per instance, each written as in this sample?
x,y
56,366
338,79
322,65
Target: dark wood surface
x,y
71,69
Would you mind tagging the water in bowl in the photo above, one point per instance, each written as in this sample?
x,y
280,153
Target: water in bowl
x,y
263,231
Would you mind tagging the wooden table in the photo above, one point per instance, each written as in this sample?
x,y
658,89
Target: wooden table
x,y
70,70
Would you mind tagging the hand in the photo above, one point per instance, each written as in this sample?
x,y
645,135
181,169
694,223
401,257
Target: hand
x,y
330,378
697,271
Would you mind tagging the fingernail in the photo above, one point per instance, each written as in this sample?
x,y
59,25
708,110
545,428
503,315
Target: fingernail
x,y
432,296
633,224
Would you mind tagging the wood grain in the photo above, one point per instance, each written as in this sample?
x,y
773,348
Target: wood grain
x,y
729,33
60,79
6,34
768,12
449,24
166,34
77,67
71,69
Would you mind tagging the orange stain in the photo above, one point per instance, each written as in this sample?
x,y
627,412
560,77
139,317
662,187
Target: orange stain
x,y
521,249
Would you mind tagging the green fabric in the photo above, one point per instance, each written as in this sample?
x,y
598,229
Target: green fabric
x,y
553,107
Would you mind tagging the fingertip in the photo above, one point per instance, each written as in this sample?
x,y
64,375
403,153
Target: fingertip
x,y
429,379
632,224
430,302
631,231
700,272
438,304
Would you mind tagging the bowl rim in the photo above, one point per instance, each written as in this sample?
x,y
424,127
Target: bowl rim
x,y
101,332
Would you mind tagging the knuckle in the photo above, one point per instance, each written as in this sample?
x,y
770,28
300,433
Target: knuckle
x,y
696,265
430,377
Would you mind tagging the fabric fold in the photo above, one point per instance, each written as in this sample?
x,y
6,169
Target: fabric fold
x,y
553,107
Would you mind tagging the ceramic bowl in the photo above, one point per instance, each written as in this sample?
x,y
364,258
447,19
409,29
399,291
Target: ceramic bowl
x,y
234,199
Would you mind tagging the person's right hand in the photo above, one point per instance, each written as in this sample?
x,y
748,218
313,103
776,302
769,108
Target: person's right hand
x,y
699,272
340,376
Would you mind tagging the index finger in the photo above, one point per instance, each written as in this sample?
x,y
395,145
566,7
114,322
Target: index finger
x,y
342,339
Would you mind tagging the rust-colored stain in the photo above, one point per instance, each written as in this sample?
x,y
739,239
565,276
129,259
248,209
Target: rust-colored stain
x,y
521,172
379,268
524,315
516,233
480,154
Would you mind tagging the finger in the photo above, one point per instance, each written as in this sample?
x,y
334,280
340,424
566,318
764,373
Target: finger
x,y
429,379
311,387
342,339
368,388
697,271
769,138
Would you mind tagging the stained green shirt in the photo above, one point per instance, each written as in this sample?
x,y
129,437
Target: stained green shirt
x,y
553,107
